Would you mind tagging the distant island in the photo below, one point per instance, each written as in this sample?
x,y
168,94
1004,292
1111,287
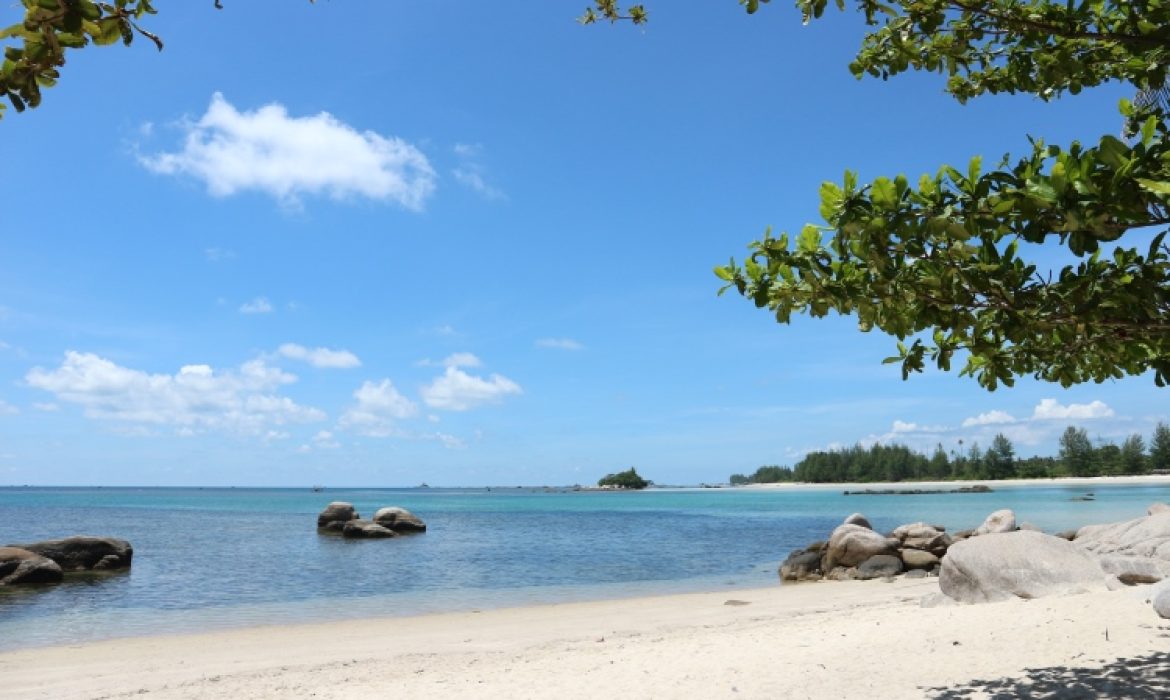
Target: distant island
x,y
628,479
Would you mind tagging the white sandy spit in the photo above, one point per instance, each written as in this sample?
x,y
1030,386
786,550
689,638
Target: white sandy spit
x,y
853,639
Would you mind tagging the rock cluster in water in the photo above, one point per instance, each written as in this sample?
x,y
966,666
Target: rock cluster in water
x,y
49,561
341,518
999,559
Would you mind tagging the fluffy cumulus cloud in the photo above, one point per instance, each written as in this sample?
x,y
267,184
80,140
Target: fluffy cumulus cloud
x,y
989,418
559,344
1051,409
196,398
289,157
321,357
378,410
457,390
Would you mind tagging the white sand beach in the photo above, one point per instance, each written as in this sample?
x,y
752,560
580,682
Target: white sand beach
x,y
819,640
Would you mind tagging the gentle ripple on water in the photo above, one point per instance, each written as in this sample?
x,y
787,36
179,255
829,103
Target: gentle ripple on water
x,y
211,558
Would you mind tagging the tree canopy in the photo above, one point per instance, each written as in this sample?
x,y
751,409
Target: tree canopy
x,y
943,263
628,479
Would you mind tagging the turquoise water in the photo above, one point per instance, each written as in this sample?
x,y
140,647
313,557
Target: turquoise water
x,y
215,558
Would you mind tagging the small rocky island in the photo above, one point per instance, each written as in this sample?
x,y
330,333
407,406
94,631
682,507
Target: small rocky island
x,y
49,561
340,518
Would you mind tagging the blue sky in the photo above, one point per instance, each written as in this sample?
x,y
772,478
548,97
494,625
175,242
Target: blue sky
x,y
467,243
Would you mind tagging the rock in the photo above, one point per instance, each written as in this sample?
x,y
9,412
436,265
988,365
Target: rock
x,y
82,553
1142,537
1156,508
365,529
879,566
999,521
1020,564
842,573
337,512
801,565
916,573
962,535
1162,603
1132,570
1030,526
18,566
917,530
1069,535
852,544
918,559
858,519
399,520
333,527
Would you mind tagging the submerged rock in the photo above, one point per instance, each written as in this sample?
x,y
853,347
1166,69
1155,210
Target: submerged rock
x,y
1022,564
399,520
83,553
20,566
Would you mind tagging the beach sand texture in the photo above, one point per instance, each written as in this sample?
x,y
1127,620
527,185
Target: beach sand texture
x,y
857,639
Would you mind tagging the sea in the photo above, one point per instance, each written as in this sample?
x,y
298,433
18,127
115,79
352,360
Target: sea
x,y
217,558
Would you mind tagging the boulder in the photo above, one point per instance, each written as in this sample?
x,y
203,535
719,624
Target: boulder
x,y
858,519
918,559
916,573
1162,603
1142,537
1134,570
336,512
1156,508
801,565
880,566
399,520
999,521
365,529
1022,564
82,553
850,545
917,531
19,566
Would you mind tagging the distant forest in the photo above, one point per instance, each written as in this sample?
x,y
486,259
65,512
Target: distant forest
x,y
1078,456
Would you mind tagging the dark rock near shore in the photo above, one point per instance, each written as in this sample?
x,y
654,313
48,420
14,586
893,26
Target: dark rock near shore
x,y
82,553
880,566
365,529
20,566
336,512
399,520
801,565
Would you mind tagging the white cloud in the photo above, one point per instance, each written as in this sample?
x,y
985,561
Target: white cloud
x,y
47,407
197,397
1050,409
288,157
457,359
259,305
458,391
324,440
471,173
989,418
902,427
379,407
560,344
320,357
7,409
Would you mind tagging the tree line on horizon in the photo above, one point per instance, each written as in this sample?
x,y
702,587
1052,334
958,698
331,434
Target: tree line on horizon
x,y
1077,456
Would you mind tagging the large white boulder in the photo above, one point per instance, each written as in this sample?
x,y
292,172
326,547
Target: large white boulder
x,y
850,545
1021,564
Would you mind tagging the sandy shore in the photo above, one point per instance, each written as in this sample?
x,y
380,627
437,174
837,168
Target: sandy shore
x,y
823,640
1087,482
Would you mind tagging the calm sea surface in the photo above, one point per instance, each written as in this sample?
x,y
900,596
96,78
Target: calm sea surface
x,y
216,558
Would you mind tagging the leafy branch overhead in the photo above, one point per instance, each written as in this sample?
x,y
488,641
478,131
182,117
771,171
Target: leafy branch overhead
x,y
944,265
34,49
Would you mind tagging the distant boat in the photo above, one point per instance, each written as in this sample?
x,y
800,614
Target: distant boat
x,y
318,489
423,485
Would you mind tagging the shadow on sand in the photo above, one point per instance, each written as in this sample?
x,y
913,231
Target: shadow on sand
x,y
1139,677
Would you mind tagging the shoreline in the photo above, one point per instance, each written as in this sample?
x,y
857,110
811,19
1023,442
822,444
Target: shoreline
x,y
837,639
994,484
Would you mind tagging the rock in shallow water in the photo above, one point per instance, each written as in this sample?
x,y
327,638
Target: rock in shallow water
x,y
336,512
365,529
82,553
20,566
399,520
